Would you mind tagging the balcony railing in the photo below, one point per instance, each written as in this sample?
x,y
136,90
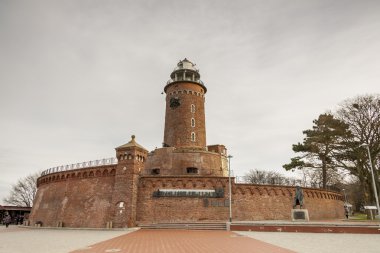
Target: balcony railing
x,y
75,166
185,79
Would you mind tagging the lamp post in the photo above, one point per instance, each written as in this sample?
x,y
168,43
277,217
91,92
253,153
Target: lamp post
x,y
229,186
373,177
345,196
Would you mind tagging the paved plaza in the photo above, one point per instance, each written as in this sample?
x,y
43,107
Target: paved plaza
x,y
20,240
25,240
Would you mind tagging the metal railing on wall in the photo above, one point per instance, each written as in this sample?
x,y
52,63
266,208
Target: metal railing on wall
x,y
285,182
75,166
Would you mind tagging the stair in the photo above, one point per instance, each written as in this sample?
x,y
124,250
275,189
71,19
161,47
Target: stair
x,y
187,225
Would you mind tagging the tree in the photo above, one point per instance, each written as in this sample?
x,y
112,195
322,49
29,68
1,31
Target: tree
x,y
362,114
312,177
23,192
255,176
318,150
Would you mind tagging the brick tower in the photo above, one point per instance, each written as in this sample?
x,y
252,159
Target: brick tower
x,y
131,158
184,150
185,111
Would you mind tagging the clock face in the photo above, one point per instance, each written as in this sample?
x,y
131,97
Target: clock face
x,y
175,102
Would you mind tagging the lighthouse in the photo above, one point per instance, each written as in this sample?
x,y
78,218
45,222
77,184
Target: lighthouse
x,y
185,110
184,150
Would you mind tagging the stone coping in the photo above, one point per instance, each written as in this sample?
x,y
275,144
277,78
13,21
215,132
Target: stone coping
x,y
91,229
309,223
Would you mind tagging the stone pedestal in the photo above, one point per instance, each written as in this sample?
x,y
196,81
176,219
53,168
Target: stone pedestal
x,y
300,215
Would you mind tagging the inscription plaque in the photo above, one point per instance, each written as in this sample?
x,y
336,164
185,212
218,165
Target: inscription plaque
x,y
189,193
299,215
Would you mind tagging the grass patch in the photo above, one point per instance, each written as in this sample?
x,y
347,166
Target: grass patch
x,y
359,216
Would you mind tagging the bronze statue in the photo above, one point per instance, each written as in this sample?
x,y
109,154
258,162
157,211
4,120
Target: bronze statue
x,y
298,199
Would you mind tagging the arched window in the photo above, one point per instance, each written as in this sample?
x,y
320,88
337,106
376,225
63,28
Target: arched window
x,y
192,136
192,122
192,108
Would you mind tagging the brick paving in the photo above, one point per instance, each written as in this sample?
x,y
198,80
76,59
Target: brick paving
x,y
183,241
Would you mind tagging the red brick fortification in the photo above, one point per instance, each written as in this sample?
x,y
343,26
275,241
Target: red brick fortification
x,y
94,201
270,202
79,198
250,202
177,161
131,157
185,180
93,197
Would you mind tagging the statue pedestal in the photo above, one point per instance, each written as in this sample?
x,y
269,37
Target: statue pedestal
x,y
300,215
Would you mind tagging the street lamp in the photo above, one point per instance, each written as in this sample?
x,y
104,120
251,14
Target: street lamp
x,y
373,177
229,185
345,196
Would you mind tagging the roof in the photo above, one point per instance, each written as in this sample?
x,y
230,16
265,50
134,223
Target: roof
x,y
131,143
15,208
186,64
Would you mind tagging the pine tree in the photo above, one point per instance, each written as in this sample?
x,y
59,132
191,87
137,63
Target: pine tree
x,y
320,146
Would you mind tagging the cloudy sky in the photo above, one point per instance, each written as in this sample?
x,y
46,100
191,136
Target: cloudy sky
x,y
78,78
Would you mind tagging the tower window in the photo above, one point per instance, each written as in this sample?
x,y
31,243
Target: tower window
x,y
192,122
192,136
192,108
192,170
155,172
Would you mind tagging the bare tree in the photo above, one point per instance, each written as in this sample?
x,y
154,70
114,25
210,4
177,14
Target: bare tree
x,y
362,114
23,192
255,176
313,177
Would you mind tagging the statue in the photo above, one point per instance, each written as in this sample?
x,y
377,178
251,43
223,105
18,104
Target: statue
x,y
298,199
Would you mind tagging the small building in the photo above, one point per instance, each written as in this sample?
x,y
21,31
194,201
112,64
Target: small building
x,y
18,213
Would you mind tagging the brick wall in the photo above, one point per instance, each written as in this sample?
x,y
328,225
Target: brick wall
x,y
89,198
250,202
174,161
80,198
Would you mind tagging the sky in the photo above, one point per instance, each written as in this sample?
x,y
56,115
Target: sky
x,y
78,78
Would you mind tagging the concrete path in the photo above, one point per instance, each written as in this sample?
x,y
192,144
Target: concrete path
x,y
21,240
24,240
319,242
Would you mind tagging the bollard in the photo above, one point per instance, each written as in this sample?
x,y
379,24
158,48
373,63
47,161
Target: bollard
x,y
109,225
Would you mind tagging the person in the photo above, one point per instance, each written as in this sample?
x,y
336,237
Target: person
x,y
346,211
7,220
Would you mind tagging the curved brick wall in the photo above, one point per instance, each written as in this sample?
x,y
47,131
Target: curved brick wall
x,y
173,161
250,202
86,198
78,198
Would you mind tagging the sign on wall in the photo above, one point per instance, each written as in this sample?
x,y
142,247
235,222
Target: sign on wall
x,y
191,193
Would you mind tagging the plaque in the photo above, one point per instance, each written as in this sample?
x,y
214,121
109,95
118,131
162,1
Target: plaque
x,y
300,215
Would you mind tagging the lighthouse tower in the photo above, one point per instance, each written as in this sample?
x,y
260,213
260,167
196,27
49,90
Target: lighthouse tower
x,y
185,111
184,150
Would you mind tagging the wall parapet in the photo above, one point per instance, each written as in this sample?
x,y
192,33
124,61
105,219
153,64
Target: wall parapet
x,y
75,166
251,189
285,191
82,173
